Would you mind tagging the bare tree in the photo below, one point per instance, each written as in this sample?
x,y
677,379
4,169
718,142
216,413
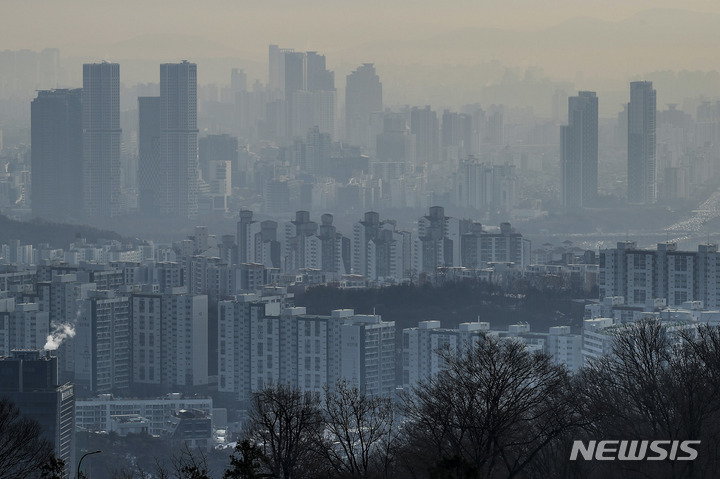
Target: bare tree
x,y
361,432
287,424
661,382
23,453
490,412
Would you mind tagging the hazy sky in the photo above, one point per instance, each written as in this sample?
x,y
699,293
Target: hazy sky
x,y
568,39
82,27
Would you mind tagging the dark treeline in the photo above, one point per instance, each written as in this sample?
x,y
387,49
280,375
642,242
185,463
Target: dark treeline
x,y
58,235
452,302
499,411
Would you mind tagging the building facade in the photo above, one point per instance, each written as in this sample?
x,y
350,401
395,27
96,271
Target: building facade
x,y
102,137
642,161
579,151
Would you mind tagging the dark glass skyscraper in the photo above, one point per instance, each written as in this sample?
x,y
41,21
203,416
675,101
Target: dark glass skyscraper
x,y
56,136
579,140
101,139
177,193
642,161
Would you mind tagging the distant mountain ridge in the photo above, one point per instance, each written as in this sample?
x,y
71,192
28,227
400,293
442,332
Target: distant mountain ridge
x,y
649,40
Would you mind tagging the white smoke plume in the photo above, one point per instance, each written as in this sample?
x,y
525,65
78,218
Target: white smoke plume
x,y
61,333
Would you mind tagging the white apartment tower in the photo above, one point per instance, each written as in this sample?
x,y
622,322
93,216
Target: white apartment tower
x,y
170,340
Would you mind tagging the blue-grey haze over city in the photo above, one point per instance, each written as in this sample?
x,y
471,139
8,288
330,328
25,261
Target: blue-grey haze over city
x,y
359,239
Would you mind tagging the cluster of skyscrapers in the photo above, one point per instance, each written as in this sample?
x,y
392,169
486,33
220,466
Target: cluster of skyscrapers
x,y
76,138
579,148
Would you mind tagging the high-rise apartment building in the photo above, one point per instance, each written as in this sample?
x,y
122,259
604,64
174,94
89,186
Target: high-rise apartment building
x,y
641,276
56,157
363,96
169,340
102,344
101,139
367,353
642,161
438,241
579,150
22,326
177,193
424,345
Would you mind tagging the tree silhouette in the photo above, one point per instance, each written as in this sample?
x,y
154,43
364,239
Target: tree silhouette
x,y
287,424
493,408
23,452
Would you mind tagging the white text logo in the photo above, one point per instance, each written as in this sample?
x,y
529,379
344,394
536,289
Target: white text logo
x,y
625,450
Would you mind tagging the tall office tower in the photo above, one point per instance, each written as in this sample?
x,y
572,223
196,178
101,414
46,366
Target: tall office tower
x,y
424,125
363,96
56,157
30,381
276,71
101,139
579,151
294,72
642,164
318,78
149,168
178,185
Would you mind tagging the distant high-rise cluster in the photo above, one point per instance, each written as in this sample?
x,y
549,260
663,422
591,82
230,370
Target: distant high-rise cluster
x,y
307,90
78,139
